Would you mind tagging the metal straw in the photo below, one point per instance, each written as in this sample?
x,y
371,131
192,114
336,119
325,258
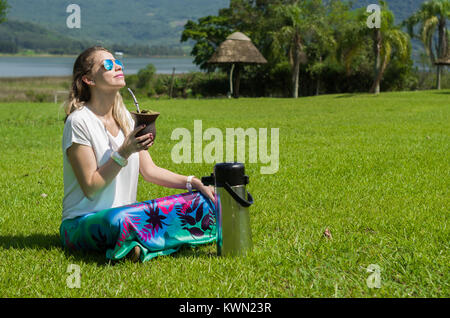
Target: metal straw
x,y
135,100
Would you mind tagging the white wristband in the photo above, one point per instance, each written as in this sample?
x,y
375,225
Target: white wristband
x,y
188,183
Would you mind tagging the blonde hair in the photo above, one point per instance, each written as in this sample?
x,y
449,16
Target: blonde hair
x,y
80,92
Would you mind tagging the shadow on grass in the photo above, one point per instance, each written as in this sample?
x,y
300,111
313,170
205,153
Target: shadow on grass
x,y
48,242
345,95
33,241
89,257
99,258
51,241
201,251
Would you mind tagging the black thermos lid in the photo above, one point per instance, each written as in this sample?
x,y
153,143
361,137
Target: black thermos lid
x,y
231,172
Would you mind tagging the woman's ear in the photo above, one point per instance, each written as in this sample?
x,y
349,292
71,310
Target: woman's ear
x,y
87,80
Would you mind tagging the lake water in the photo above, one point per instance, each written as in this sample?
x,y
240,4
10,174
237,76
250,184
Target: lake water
x,y
62,66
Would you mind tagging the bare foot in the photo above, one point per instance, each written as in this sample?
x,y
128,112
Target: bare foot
x,y
134,254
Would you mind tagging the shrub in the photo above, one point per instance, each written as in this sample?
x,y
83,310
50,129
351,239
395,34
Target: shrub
x,y
145,76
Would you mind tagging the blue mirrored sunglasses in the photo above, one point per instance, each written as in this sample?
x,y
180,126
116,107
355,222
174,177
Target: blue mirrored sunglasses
x,y
109,64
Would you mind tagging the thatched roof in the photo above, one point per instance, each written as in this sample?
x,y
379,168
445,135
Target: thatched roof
x,y
237,48
444,61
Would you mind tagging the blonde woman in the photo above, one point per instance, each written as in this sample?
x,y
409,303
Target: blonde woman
x,y
102,161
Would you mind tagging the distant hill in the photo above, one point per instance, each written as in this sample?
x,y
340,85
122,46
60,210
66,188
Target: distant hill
x,y
32,38
18,36
148,22
132,22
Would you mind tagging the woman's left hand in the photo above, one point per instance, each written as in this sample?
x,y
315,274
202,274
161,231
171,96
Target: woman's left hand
x,y
207,191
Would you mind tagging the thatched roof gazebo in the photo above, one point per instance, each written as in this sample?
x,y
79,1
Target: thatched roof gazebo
x,y
444,60
237,50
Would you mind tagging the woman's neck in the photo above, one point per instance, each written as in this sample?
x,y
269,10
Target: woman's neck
x,y
102,103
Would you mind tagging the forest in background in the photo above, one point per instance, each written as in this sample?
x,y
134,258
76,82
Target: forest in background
x,y
30,38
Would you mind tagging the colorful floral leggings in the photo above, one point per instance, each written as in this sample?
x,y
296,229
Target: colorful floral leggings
x,y
158,227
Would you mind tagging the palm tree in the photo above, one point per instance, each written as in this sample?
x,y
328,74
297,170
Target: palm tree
x,y
291,34
297,24
386,39
432,16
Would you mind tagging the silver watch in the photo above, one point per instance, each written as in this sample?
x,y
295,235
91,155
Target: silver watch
x,y
121,161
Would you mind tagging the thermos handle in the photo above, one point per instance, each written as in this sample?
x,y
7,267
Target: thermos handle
x,y
240,200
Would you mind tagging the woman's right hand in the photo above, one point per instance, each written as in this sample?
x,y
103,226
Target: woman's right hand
x,y
134,144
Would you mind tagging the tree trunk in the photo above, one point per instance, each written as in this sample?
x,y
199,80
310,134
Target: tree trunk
x,y
377,81
441,50
377,68
237,80
295,80
296,66
438,76
230,93
442,38
318,87
318,79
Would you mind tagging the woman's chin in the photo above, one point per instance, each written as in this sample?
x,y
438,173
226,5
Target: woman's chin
x,y
120,79
119,83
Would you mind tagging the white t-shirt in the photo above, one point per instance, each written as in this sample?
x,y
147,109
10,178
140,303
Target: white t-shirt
x,y
85,128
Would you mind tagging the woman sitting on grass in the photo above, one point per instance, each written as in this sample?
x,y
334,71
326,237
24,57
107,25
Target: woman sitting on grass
x,y
102,160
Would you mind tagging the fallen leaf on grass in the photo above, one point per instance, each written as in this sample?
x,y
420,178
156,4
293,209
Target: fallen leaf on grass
x,y
327,233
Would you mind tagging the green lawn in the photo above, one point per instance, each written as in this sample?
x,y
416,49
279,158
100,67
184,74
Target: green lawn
x,y
374,170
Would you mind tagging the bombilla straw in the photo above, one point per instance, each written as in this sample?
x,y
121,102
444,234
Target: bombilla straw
x,y
135,100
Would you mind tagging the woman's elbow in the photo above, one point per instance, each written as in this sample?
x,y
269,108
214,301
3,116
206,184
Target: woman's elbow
x,y
147,172
145,176
88,193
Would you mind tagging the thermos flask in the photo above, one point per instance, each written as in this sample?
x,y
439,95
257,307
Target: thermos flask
x,y
234,235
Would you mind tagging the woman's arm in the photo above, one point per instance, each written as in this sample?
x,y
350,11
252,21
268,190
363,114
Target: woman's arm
x,y
84,164
90,177
163,177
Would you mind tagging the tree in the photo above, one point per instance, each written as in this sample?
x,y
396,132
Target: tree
x,y
387,40
332,40
253,17
3,8
145,76
349,33
432,17
208,33
248,16
331,20
296,23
